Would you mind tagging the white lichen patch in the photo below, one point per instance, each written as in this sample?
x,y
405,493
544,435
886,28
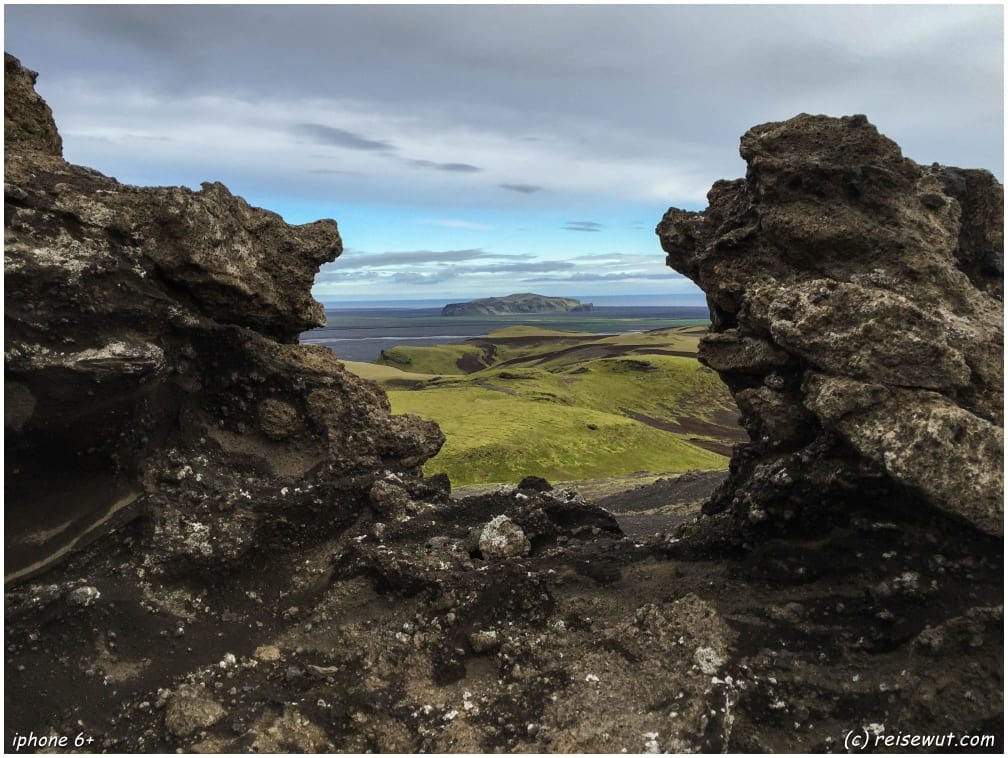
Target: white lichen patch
x,y
708,659
115,357
197,539
651,743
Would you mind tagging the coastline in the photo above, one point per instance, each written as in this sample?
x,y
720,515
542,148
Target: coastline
x,y
361,333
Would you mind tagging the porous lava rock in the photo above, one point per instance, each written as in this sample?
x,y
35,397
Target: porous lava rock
x,y
151,360
856,300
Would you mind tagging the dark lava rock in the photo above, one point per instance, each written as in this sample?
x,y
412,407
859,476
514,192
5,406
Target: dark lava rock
x,y
152,361
858,320
535,484
28,121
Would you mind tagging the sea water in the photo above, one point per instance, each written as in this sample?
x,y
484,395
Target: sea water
x,y
361,333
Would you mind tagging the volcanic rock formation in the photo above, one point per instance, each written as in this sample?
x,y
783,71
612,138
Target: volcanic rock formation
x,y
858,320
151,355
220,541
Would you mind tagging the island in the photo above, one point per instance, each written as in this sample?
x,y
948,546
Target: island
x,y
525,302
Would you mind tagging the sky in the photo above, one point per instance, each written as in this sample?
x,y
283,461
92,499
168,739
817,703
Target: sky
x,y
469,151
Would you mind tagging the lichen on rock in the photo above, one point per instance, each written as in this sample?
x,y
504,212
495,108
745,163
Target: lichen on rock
x,y
502,538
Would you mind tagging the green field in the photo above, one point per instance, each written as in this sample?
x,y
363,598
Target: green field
x,y
527,345
563,405
437,359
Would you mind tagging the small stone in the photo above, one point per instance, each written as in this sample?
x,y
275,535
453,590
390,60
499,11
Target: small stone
x,y
484,641
502,538
267,653
189,710
388,499
651,743
84,596
535,484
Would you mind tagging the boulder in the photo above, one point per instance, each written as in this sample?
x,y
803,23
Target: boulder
x,y
503,538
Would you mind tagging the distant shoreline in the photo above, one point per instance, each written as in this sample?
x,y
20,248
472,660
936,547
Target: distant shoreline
x,y
360,333
617,301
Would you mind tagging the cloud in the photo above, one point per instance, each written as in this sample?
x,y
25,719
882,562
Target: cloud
x,y
525,189
147,137
329,135
407,277
429,266
613,277
377,280
334,171
461,168
353,259
251,94
538,72
583,226
519,268
455,223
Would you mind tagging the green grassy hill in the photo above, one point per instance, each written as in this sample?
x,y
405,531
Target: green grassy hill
x,y
563,405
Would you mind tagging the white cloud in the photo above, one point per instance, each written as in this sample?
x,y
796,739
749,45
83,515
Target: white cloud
x,y
455,223
455,126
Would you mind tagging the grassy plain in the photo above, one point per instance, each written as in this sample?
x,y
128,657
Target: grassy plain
x,y
563,405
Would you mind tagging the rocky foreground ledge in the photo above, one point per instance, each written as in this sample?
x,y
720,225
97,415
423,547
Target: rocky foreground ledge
x,y
218,540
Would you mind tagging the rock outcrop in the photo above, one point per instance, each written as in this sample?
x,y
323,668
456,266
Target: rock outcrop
x,y
858,319
152,361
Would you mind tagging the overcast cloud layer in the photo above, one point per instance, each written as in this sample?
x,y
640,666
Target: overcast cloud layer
x,y
478,150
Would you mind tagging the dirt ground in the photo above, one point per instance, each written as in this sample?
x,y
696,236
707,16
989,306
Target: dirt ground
x,y
402,633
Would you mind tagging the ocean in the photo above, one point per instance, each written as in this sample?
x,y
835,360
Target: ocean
x,y
361,333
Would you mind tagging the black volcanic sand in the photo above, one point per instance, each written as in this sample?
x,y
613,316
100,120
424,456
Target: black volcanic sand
x,y
663,505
